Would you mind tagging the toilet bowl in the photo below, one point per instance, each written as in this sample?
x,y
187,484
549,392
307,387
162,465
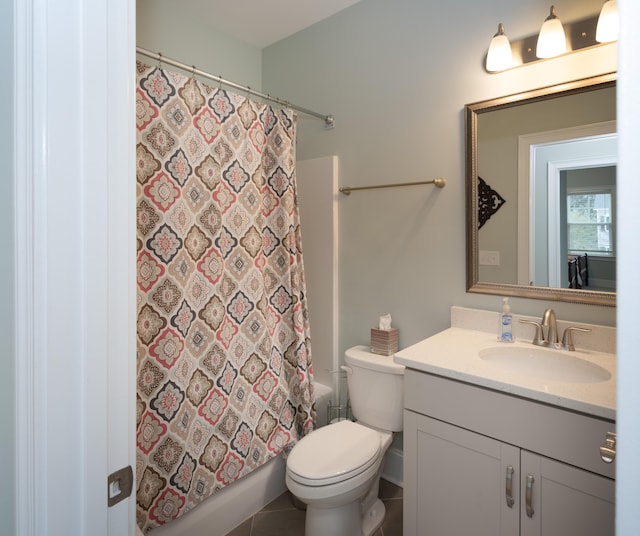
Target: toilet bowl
x,y
335,470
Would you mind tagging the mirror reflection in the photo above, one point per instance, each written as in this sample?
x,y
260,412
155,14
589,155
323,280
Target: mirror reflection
x,y
541,194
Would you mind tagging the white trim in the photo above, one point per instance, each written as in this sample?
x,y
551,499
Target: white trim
x,y
553,222
335,291
73,178
29,182
526,198
317,183
111,325
628,364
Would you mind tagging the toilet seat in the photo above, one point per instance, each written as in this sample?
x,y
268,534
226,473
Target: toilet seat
x,y
333,453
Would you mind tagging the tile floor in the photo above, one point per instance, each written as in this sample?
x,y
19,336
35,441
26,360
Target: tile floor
x,y
281,518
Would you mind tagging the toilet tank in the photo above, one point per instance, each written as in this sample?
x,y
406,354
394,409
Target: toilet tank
x,y
376,388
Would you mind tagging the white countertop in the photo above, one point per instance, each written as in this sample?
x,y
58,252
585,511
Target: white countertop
x,y
453,353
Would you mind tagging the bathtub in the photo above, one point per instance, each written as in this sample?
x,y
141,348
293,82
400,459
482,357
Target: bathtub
x,y
229,507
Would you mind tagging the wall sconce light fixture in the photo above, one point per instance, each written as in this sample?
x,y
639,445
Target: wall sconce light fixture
x,y
553,40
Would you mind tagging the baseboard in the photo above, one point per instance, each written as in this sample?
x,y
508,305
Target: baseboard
x,y
392,469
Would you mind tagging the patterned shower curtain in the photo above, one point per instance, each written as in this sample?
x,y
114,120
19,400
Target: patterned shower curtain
x,y
224,364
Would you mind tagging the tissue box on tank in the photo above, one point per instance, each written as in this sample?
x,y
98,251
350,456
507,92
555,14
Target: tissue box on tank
x,y
384,341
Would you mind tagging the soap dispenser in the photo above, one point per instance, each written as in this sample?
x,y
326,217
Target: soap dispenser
x,y
505,333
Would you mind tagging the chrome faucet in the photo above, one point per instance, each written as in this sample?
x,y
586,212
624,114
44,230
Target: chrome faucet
x,y
549,321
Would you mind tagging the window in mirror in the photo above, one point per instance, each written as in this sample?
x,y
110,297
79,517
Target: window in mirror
x,y
589,221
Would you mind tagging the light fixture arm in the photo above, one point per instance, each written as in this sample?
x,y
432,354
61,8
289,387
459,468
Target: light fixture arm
x,y
552,14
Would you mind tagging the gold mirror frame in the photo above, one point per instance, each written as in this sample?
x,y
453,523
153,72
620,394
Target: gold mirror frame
x,y
471,141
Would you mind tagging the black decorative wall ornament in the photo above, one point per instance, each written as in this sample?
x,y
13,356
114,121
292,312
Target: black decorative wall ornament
x,y
489,202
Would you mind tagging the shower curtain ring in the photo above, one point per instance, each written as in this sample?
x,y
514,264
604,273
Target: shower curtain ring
x,y
193,71
159,60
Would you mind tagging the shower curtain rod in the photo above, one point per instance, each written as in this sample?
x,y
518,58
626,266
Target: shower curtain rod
x,y
328,119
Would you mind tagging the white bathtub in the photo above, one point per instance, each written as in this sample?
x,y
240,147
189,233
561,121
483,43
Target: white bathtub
x,y
221,513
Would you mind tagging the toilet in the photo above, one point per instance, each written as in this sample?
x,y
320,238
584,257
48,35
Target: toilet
x,y
335,470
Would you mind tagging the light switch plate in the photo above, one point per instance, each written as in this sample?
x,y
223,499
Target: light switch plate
x,y
489,258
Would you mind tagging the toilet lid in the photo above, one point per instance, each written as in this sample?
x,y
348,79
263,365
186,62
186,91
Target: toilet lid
x,y
333,453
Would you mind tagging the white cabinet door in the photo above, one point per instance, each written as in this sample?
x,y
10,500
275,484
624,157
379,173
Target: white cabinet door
x,y
456,481
564,500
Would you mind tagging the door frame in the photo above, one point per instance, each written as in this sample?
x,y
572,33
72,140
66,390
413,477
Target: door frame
x,y
527,145
74,256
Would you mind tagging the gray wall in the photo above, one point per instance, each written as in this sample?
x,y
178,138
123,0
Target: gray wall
x,y
397,75
169,28
7,386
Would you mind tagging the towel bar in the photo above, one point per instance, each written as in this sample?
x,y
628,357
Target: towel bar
x,y
439,182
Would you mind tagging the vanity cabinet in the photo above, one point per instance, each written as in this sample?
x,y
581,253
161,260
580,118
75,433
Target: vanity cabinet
x,y
564,499
487,463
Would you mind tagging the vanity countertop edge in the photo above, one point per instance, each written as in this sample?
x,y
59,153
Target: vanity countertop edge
x,y
453,354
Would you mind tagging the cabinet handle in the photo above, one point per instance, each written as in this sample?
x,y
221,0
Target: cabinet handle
x,y
608,448
509,486
528,495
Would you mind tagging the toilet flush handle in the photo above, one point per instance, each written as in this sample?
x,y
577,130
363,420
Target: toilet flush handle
x,y
347,369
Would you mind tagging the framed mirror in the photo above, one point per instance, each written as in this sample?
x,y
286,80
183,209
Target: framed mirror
x,y
540,187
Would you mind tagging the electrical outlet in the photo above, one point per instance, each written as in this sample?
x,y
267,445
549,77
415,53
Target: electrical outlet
x,y
489,258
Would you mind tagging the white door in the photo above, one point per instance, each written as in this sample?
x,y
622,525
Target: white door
x,y
75,264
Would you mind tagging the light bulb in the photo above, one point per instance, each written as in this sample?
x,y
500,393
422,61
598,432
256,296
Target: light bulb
x,y
551,40
607,29
499,56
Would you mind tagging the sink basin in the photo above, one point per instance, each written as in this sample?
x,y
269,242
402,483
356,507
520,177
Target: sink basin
x,y
546,364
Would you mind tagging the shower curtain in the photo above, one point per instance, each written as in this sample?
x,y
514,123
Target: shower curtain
x,y
223,349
